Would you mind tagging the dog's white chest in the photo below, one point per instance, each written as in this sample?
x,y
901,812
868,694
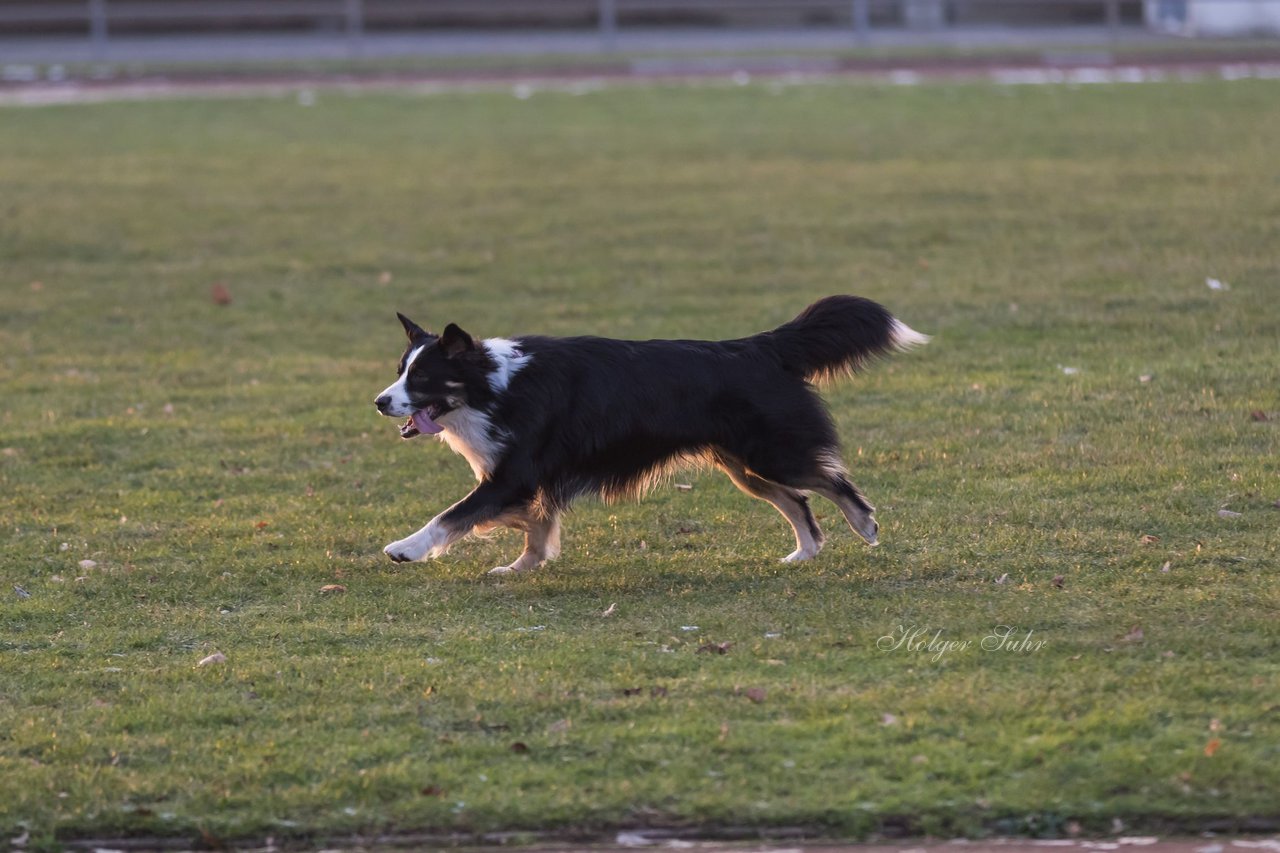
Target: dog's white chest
x,y
469,434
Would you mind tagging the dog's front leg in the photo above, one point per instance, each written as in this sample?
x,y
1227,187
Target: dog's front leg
x,y
541,542
431,541
487,501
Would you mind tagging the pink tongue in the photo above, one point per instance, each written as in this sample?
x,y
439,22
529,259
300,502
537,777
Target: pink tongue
x,y
425,425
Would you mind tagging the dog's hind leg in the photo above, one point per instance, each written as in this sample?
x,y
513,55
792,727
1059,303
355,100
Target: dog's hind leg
x,y
860,514
541,541
793,505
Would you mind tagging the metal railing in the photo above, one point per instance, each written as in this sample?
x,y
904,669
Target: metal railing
x,y
102,20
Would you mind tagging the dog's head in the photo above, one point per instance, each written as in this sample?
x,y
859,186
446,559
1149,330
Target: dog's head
x,y
437,376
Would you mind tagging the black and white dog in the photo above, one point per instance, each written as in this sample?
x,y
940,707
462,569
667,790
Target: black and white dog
x,y
545,420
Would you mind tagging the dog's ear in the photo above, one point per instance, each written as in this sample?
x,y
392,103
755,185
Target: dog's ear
x,y
415,333
454,341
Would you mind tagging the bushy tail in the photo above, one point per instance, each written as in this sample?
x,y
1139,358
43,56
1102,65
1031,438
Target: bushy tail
x,y
838,334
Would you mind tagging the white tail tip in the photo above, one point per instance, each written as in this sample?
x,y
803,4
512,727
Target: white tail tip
x,y
904,337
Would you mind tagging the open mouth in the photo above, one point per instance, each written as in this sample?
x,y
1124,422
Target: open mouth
x,y
423,422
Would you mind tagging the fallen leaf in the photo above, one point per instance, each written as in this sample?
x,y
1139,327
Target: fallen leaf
x,y
384,277
22,593
658,692
1167,565
87,564
755,694
331,588
1215,725
715,648
1259,415
519,747
888,720
1148,539
1135,635
215,658
432,791
632,691
724,731
261,524
1004,577
1212,747
609,611
1146,377
559,726
684,487
1227,513
220,294
1058,581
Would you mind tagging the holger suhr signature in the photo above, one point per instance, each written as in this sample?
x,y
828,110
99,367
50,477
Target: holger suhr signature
x,y
930,641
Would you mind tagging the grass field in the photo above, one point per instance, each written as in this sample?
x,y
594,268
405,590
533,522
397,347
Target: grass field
x,y
1055,461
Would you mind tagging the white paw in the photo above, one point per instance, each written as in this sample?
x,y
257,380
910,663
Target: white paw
x,y
523,563
430,541
404,551
868,530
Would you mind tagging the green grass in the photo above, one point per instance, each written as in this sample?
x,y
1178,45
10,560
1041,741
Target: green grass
x,y
222,464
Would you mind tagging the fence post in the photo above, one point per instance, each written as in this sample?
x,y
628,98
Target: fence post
x,y
98,29
355,27
608,13
860,15
1113,17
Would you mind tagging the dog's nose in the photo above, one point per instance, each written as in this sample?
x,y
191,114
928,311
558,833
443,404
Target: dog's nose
x,y
382,402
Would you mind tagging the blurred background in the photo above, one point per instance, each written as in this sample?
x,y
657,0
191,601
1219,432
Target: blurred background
x,y
176,30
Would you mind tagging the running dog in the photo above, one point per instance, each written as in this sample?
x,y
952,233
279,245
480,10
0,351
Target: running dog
x,y
543,421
